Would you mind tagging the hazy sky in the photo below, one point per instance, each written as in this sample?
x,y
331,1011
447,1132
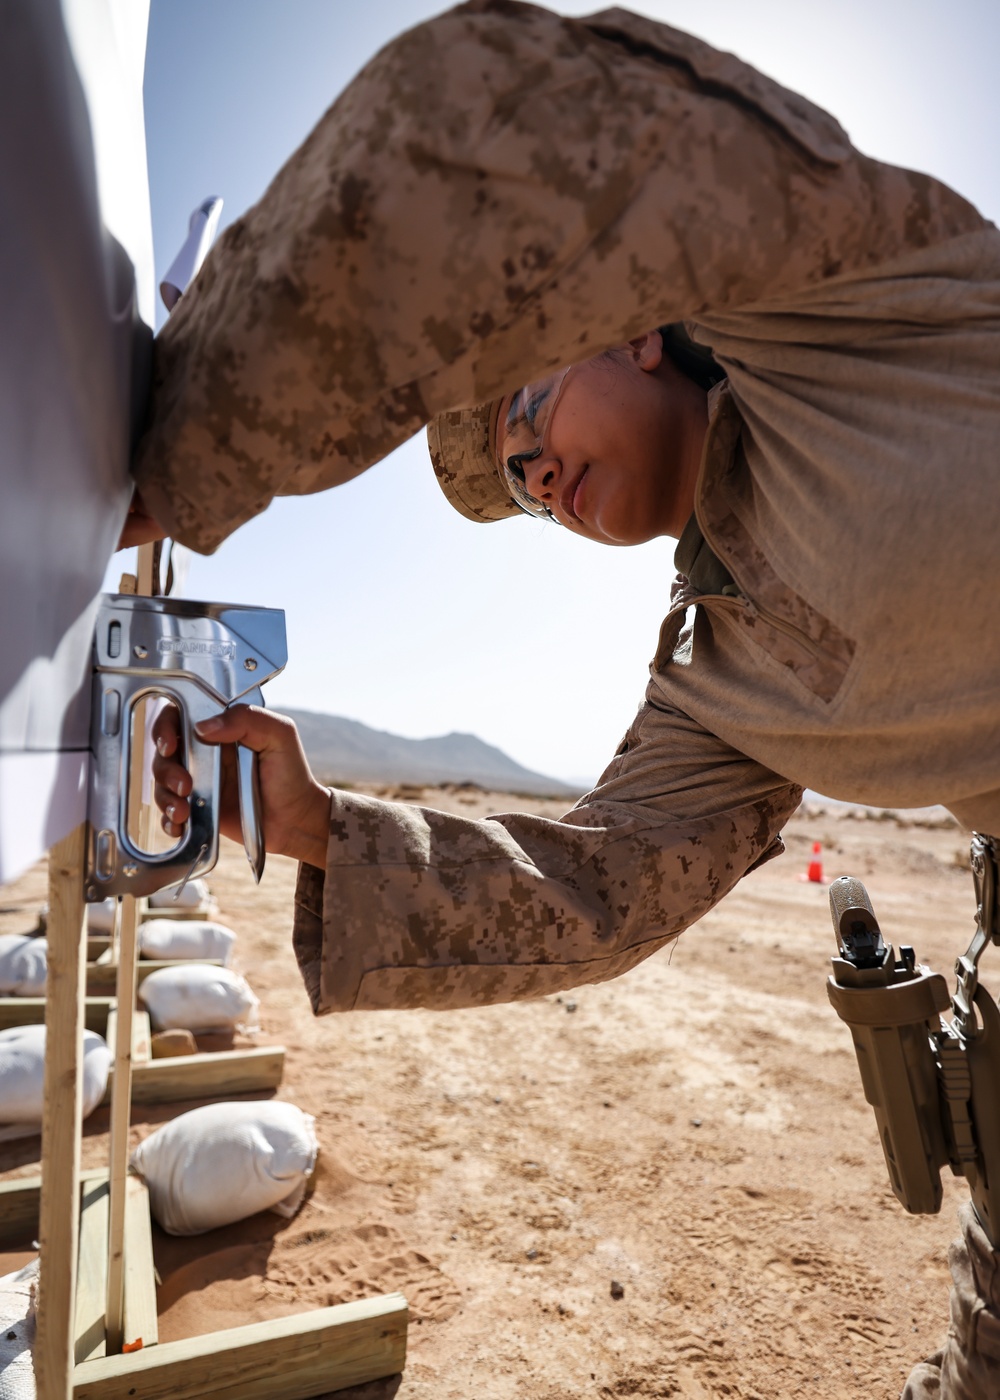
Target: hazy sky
x,y
400,613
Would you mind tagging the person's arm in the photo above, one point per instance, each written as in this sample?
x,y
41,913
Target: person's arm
x,y
414,907
500,191
402,906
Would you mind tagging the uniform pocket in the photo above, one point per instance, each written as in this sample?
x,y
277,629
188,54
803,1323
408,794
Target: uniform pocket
x,y
816,652
799,639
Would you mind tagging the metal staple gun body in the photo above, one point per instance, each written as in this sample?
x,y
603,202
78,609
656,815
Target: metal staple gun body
x,y
203,657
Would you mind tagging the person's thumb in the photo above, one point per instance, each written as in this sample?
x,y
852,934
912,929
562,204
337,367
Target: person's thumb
x,y
249,725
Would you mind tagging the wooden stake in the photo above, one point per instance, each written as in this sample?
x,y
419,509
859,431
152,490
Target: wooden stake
x,y
59,1208
121,1096
121,1089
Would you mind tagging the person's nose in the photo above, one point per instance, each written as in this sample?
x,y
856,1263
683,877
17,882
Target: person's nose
x,y
542,476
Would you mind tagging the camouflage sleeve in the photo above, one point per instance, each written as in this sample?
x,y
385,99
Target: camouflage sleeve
x,y
420,908
499,191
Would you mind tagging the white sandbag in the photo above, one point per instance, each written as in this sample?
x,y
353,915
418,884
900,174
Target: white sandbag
x,y
101,916
226,1161
22,1073
22,965
194,894
193,997
176,939
17,1333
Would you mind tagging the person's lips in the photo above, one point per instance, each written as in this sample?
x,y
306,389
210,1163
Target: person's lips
x,y
568,498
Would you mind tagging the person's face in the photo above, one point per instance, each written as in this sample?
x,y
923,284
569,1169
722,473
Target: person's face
x,y
621,446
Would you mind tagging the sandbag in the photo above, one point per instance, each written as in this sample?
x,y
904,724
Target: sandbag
x,y
22,1073
101,916
226,1161
17,1333
196,998
193,895
175,939
22,965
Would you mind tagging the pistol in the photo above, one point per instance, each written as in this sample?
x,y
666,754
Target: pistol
x,y
934,1084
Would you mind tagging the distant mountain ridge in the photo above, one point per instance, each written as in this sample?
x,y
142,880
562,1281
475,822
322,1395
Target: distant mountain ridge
x,y
350,751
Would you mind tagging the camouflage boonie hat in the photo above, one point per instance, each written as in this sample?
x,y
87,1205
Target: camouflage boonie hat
x,y
459,442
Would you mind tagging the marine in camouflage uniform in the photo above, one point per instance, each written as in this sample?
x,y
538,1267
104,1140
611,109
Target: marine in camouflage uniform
x,y
503,191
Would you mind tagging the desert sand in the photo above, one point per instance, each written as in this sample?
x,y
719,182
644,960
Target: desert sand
x,y
668,1185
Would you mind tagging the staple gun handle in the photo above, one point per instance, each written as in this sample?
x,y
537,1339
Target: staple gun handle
x,y
248,786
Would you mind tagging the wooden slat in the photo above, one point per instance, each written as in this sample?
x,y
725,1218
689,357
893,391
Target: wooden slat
x,y
21,1011
59,1215
97,943
200,912
19,1204
147,564
207,1076
140,1277
291,1358
142,1039
120,1087
102,978
142,1036
92,1270
30,1011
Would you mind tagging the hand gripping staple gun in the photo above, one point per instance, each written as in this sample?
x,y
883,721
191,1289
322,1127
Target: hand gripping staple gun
x,y
934,1084
203,657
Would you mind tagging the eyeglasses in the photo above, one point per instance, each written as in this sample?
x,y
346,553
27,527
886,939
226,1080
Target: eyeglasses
x,y
520,436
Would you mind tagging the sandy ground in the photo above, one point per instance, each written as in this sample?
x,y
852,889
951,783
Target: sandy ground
x,y
694,1132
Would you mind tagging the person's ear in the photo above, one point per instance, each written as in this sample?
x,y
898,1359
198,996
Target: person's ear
x,y
647,350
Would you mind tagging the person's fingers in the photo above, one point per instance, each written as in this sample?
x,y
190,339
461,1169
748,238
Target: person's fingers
x,y
174,808
173,777
140,529
251,726
167,731
170,774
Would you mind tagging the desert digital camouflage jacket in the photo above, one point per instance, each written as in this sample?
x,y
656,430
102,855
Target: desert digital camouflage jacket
x,y
502,191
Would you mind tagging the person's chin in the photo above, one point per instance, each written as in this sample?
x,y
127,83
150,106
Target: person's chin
x,y
609,528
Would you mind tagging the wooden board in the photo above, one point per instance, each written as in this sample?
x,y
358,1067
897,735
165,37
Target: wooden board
x,y
59,1207
19,1204
140,1275
201,912
30,1011
291,1358
120,1080
92,1269
207,1076
102,978
19,1220
142,1035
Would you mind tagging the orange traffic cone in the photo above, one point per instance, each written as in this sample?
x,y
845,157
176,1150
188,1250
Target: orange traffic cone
x,y
815,871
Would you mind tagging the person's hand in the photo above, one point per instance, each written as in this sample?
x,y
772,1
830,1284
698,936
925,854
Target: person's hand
x,y
295,808
140,527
